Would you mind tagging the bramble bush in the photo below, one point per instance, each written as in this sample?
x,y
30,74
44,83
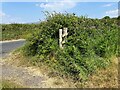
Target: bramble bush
x,y
90,44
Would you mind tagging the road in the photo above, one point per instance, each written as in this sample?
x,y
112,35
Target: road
x,y
25,76
7,46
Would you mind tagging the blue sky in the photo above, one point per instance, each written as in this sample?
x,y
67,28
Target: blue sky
x,y
27,12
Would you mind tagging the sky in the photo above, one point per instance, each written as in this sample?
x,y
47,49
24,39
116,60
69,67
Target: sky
x,y
30,12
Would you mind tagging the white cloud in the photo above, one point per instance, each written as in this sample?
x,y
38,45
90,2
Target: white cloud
x,y
60,6
2,14
112,13
108,5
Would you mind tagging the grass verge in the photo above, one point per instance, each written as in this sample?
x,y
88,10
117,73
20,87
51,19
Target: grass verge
x,y
103,78
10,84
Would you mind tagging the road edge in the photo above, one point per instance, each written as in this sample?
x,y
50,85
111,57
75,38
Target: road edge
x,y
12,40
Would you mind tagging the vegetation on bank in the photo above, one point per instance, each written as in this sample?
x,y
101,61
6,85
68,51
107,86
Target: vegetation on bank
x,y
90,44
103,78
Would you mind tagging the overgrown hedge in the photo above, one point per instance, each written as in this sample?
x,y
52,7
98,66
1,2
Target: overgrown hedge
x,y
90,44
17,31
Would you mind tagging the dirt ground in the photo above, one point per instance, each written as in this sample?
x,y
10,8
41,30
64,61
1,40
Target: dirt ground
x,y
28,76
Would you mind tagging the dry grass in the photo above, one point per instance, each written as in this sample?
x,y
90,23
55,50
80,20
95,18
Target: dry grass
x,y
105,78
10,84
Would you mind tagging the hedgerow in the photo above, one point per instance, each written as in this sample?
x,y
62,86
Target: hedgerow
x,y
90,44
17,31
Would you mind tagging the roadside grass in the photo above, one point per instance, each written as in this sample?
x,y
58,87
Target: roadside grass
x,y
9,84
103,78
52,79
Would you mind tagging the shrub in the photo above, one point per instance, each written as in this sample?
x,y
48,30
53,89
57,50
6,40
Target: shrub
x,y
90,44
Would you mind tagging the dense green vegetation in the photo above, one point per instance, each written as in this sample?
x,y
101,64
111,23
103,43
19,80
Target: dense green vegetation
x,y
17,31
90,44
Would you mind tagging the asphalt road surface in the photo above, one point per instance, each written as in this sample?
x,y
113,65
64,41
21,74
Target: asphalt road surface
x,y
7,46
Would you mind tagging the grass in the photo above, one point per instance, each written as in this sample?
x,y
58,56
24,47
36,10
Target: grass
x,y
10,84
103,78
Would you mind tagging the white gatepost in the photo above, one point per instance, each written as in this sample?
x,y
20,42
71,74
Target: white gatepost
x,y
60,38
64,35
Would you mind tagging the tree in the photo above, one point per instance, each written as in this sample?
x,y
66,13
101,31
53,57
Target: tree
x,y
106,17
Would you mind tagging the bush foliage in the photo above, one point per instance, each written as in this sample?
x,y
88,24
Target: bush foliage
x,y
90,44
17,31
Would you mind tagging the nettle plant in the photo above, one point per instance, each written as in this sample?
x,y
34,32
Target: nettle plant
x,y
90,44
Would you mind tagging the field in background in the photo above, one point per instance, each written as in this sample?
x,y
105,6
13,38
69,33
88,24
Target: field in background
x,y
17,31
